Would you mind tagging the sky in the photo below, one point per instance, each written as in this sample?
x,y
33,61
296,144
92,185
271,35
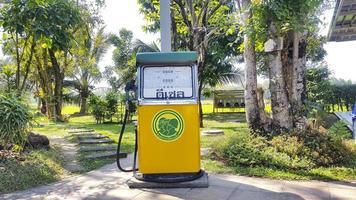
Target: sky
x,y
125,14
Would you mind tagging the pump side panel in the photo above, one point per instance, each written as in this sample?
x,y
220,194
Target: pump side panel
x,y
177,155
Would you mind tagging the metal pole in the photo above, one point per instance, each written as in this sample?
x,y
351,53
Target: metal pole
x,y
165,22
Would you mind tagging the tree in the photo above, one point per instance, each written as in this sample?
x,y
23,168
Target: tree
x,y
195,26
91,48
318,85
124,57
19,38
282,53
48,27
253,114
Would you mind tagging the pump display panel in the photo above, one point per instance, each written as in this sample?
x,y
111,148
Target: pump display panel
x,y
167,82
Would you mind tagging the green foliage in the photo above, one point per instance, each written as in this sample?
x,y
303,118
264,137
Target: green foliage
x,y
106,107
15,121
124,57
38,168
318,85
339,130
7,77
328,92
50,22
217,29
112,104
324,149
250,150
97,107
295,150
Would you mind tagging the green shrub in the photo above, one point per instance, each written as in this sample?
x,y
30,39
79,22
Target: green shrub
x,y
97,107
251,150
14,121
339,130
242,149
323,148
295,150
112,104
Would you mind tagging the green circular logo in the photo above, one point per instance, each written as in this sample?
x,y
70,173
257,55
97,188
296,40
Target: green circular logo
x,y
168,125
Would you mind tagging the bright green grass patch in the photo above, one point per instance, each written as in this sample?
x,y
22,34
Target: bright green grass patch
x,y
224,121
70,109
40,167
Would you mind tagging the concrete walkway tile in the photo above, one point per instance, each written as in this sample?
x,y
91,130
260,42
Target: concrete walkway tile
x,y
258,195
211,193
258,185
155,196
223,181
313,191
177,192
337,193
115,193
342,185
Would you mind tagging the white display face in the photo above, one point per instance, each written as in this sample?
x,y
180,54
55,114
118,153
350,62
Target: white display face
x,y
171,82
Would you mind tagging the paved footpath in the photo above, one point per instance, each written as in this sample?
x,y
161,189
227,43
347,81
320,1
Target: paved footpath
x,y
108,183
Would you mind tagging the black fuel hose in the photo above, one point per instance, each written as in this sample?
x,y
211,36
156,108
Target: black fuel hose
x,y
118,151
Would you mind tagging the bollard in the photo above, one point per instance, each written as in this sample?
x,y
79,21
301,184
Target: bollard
x,y
354,127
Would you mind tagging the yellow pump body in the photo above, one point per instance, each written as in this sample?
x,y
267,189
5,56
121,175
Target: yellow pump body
x,y
168,113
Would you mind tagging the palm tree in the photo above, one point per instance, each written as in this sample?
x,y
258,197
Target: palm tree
x,y
140,46
86,67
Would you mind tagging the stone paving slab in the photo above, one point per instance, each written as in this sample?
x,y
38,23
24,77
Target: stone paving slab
x,y
109,183
81,131
95,141
91,136
105,155
98,148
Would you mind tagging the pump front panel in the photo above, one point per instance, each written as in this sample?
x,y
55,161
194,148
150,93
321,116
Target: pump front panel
x,y
168,113
168,139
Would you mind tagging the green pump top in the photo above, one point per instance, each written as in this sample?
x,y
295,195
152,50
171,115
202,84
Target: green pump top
x,y
183,57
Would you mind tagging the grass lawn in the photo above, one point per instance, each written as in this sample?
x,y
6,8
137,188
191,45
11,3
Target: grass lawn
x,y
40,167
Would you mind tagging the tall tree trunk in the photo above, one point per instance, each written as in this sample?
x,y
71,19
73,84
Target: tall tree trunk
x,y
83,100
28,64
251,101
265,119
45,84
279,97
298,81
279,100
58,84
18,62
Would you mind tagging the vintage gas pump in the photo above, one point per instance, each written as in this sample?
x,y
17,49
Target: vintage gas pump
x,y
168,136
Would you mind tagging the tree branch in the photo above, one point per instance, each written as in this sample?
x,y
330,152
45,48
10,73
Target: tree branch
x,y
184,13
212,11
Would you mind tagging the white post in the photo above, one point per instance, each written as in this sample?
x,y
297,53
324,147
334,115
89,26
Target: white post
x,y
165,22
